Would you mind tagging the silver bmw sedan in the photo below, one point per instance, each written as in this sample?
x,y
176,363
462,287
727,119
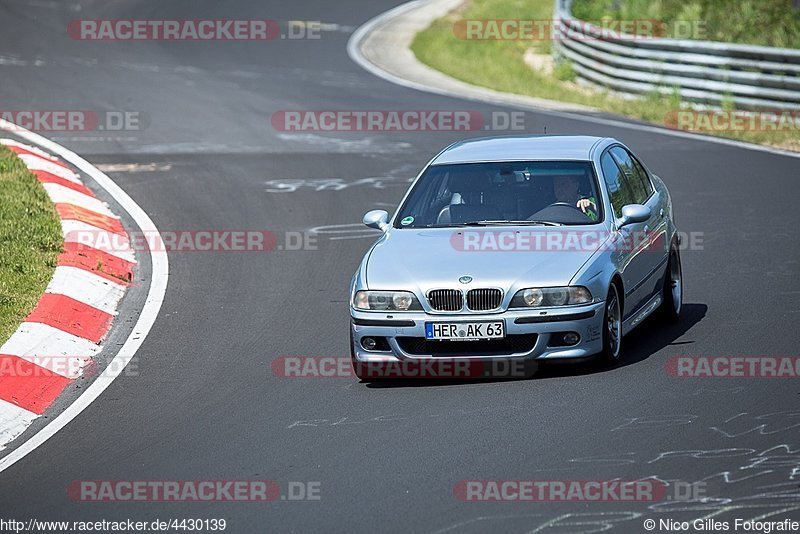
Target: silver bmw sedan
x,y
524,248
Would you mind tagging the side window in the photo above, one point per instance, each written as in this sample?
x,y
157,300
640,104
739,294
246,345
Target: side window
x,y
635,173
639,171
618,185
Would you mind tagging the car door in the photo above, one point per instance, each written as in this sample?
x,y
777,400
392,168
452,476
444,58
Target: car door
x,y
629,246
655,229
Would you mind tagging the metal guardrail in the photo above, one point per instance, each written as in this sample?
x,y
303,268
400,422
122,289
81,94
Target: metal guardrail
x,y
704,72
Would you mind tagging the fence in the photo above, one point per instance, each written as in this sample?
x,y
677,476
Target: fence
x,y
704,72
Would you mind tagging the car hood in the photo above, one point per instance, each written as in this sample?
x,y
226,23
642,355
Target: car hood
x,y
424,259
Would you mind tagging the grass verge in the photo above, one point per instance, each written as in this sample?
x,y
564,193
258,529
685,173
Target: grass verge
x,y
501,65
756,22
30,241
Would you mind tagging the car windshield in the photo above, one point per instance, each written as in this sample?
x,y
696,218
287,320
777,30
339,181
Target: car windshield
x,y
503,193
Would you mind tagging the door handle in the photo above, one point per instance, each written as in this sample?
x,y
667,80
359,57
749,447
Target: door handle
x,y
646,229
661,213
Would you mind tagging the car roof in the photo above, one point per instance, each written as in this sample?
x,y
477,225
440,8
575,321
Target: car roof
x,y
520,148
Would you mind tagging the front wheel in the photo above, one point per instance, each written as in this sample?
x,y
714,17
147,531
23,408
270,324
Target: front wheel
x,y
672,291
359,369
612,327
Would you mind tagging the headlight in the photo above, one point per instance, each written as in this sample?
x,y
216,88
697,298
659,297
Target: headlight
x,y
386,301
534,297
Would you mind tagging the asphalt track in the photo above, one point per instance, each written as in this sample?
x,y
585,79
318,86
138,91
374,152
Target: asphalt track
x,y
205,405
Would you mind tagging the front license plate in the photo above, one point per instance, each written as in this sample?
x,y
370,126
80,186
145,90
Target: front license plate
x,y
465,331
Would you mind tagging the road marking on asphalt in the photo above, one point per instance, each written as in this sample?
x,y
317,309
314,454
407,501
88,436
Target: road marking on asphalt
x,y
336,232
15,419
134,167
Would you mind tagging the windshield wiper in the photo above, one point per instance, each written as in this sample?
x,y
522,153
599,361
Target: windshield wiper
x,y
511,223
547,223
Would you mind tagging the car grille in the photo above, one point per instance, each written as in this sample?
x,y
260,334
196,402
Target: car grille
x,y
445,299
513,344
484,299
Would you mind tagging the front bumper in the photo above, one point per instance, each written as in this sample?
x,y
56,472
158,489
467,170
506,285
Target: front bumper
x,y
530,335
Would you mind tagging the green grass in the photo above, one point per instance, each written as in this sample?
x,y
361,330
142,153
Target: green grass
x,y
30,240
499,65
757,22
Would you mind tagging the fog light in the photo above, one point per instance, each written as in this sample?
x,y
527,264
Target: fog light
x,y
369,343
571,338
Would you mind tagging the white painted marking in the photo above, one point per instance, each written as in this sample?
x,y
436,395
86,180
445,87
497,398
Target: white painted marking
x,y
86,287
13,421
60,194
147,317
346,231
334,184
135,167
482,94
36,163
341,145
87,234
51,348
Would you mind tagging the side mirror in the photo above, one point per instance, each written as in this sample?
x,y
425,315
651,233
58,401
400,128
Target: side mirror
x,y
633,213
378,219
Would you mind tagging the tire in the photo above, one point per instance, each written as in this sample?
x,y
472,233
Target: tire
x,y
672,290
358,369
612,328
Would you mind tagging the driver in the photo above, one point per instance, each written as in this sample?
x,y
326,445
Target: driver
x,y
565,189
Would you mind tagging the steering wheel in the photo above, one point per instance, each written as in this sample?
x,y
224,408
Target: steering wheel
x,y
566,205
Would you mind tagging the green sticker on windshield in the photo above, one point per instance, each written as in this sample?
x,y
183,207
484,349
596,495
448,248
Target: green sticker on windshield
x,y
407,220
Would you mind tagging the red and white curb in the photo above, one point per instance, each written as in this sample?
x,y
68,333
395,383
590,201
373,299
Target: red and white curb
x,y
159,275
55,344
